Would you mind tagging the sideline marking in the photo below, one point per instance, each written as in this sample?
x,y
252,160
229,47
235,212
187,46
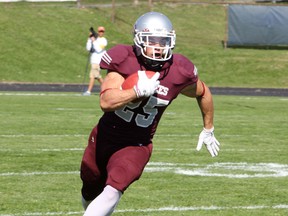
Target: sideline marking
x,y
162,209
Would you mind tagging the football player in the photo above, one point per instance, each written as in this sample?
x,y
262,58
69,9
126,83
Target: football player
x,y
120,145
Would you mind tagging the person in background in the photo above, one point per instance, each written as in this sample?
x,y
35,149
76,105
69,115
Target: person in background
x,y
120,145
96,44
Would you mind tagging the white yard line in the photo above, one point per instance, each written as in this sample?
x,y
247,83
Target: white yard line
x,y
261,170
39,173
201,208
41,135
37,94
162,209
42,150
241,170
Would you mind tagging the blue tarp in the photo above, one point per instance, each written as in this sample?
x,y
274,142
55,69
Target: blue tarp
x,y
255,25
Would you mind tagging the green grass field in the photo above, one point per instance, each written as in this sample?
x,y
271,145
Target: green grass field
x,y
43,136
45,42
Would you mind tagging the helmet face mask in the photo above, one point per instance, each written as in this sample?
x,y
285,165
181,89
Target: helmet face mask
x,y
154,36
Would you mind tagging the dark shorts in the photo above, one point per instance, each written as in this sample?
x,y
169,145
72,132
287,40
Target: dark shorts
x,y
106,164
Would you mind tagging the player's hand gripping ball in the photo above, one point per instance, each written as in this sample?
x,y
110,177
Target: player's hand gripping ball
x,y
144,83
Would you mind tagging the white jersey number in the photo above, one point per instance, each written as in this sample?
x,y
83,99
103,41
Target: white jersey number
x,y
149,109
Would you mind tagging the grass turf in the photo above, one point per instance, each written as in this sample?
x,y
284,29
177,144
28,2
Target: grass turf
x,y
45,42
44,135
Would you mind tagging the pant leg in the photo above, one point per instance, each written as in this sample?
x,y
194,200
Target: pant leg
x,y
126,166
92,179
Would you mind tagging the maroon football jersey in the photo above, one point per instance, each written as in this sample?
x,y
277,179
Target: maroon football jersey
x,y
136,123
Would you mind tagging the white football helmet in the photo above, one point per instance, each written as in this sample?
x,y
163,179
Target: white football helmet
x,y
154,30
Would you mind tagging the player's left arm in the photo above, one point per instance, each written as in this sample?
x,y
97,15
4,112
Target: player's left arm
x,y
202,93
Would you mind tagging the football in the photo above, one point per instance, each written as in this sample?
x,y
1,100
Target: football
x,y
132,80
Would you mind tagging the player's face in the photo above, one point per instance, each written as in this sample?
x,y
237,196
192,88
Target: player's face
x,y
155,46
154,52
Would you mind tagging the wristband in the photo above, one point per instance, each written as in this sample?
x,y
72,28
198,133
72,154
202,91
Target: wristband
x,y
209,130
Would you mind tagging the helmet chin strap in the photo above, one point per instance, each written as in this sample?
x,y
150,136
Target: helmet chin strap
x,y
152,64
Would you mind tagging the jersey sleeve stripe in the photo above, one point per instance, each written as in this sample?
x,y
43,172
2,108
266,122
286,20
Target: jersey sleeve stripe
x,y
106,58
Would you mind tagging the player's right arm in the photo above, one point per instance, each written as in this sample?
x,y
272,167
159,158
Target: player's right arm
x,y
111,95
